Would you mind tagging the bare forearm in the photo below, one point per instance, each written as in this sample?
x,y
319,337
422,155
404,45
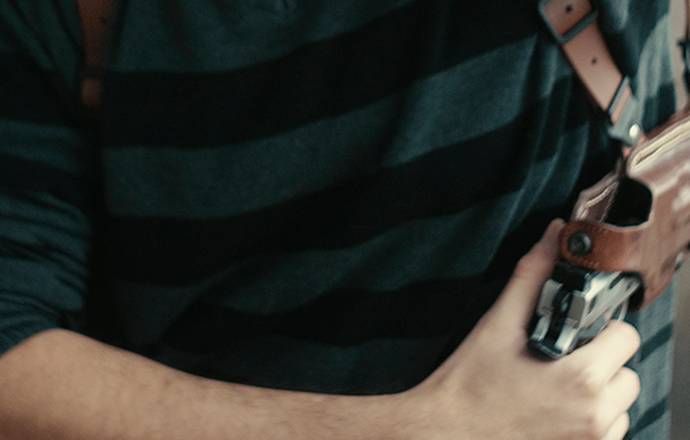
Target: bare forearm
x,y
60,385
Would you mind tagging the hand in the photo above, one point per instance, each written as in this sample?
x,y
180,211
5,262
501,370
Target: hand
x,y
492,388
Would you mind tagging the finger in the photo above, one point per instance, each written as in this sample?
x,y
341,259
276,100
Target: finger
x,y
617,398
610,350
622,392
519,298
619,429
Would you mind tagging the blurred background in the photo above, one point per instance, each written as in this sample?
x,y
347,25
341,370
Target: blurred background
x,y
680,397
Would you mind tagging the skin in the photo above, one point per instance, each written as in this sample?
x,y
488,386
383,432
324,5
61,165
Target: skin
x,y
60,385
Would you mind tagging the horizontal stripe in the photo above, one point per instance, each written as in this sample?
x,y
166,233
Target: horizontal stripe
x,y
160,250
344,317
277,286
379,366
331,349
55,146
650,416
40,209
30,94
659,429
21,175
661,338
37,252
37,285
222,182
47,246
179,33
316,81
170,259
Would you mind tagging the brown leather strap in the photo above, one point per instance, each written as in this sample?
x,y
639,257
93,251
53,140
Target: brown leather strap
x,y
612,246
574,25
94,17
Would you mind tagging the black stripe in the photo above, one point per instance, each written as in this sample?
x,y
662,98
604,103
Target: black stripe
x,y
30,94
343,317
172,252
661,338
447,181
20,175
316,81
346,317
648,418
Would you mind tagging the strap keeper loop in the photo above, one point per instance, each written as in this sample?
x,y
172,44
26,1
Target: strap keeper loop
x,y
619,101
562,38
622,116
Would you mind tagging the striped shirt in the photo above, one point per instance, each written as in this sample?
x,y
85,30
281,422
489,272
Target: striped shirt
x,y
310,195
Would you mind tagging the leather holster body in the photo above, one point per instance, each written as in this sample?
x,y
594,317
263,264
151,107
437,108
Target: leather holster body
x,y
637,218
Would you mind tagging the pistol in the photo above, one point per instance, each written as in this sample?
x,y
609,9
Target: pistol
x,y
627,236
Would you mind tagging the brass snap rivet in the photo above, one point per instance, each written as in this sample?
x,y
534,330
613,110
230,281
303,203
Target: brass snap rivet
x,y
634,131
580,244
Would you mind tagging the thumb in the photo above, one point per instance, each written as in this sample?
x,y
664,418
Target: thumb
x,y
519,298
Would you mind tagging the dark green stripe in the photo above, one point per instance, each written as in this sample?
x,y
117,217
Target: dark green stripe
x,y
381,366
343,316
316,81
648,418
272,171
447,182
660,338
258,286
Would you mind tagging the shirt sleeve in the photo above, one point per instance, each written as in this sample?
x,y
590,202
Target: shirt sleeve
x,y
48,172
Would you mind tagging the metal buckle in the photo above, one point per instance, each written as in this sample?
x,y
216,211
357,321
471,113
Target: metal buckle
x,y
572,32
627,128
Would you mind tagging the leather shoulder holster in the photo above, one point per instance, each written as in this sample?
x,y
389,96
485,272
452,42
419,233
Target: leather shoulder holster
x,y
636,219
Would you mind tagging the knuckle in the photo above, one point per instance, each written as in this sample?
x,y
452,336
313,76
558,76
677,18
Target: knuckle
x,y
629,334
588,435
633,379
595,425
635,337
587,381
